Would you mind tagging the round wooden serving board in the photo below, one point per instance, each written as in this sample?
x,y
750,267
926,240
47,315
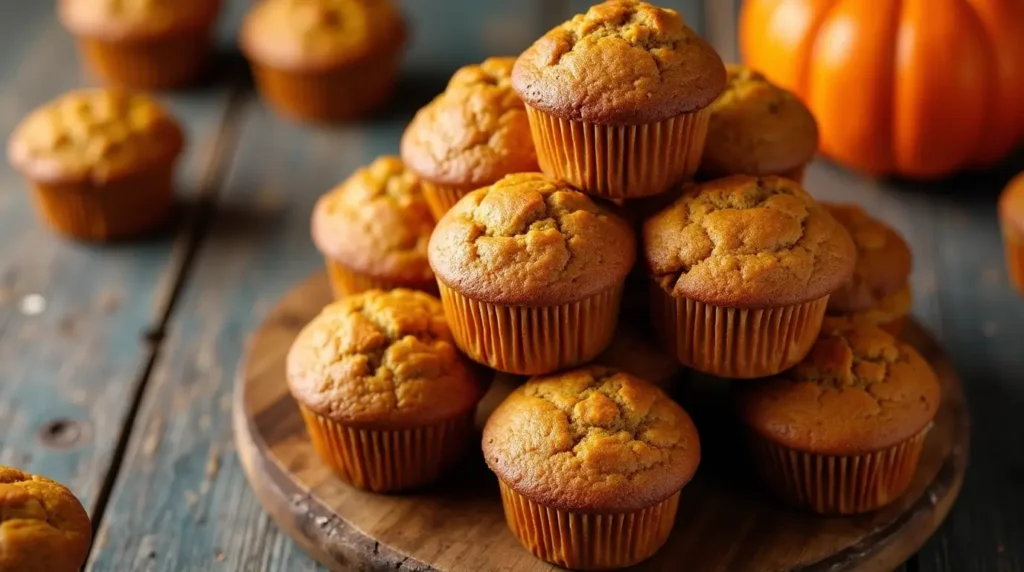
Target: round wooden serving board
x,y
725,522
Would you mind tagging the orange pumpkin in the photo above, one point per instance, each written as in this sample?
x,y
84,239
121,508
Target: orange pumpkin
x,y
918,88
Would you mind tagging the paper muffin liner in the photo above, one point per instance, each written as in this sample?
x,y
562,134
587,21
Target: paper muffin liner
x,y
441,198
532,340
165,63
346,282
381,460
735,342
122,208
1013,242
619,161
330,95
585,541
829,484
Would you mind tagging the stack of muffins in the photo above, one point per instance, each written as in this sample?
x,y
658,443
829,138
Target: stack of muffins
x,y
749,278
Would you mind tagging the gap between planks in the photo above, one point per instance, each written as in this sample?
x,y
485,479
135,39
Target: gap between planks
x,y
187,244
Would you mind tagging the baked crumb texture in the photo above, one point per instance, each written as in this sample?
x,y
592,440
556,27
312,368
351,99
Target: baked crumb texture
x,y
842,431
591,449
43,527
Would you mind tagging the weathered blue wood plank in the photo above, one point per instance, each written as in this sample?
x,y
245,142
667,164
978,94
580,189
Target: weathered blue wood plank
x,y
73,317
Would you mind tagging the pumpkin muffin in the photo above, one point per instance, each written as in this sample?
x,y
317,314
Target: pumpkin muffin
x,y
473,134
592,449
879,292
1011,218
742,269
143,44
618,98
757,128
373,231
531,274
842,432
324,60
43,527
387,399
100,162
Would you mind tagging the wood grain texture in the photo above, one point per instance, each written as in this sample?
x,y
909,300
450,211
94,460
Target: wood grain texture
x,y
725,522
74,318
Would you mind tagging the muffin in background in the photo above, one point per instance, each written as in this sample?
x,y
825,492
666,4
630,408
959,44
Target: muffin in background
x,y
386,397
531,274
879,292
618,98
596,450
471,135
143,45
757,128
373,230
324,60
741,272
1011,218
43,527
842,432
100,162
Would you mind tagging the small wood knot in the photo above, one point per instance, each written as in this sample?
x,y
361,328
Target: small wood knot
x,y
60,433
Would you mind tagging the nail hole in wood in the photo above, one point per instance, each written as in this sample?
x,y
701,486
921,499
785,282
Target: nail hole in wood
x,y
60,433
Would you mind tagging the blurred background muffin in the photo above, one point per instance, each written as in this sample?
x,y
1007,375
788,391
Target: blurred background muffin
x,y
1011,217
324,60
144,44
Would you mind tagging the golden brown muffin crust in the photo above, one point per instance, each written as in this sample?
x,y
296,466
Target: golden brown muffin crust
x,y
858,391
377,223
381,359
1011,203
94,136
530,240
592,440
748,242
757,128
43,527
883,261
888,310
474,133
623,62
134,20
320,34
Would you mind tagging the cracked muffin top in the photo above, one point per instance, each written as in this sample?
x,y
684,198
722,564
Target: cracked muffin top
x,y
377,223
120,20
591,440
43,527
858,391
319,34
474,133
748,242
757,128
883,261
623,62
381,360
94,136
530,240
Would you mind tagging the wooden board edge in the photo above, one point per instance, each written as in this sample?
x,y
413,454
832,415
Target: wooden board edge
x,y
301,516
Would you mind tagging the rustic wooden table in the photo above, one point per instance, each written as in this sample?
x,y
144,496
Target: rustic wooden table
x,y
117,362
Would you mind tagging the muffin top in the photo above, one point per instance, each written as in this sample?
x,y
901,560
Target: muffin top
x,y
1011,203
530,240
623,62
883,261
114,20
591,440
475,132
858,391
748,242
94,136
757,128
377,223
379,360
319,34
43,527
